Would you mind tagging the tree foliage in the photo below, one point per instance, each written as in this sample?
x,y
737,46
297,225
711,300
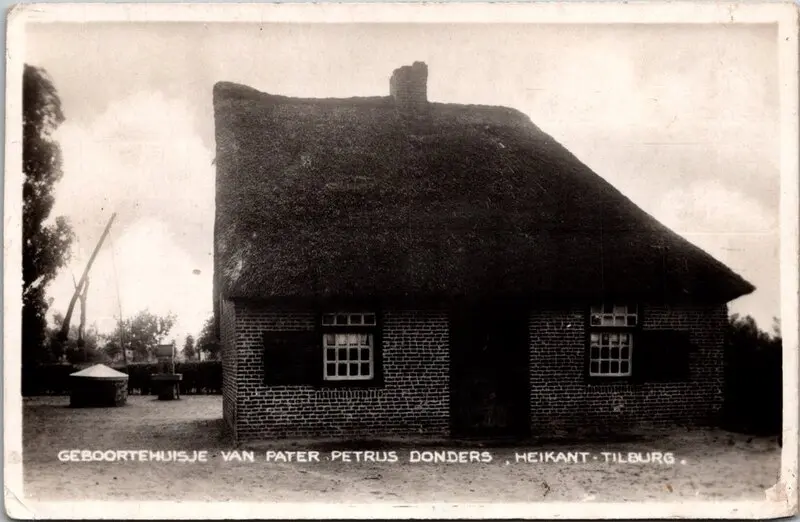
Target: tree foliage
x,y
72,351
140,335
753,379
45,244
207,342
189,352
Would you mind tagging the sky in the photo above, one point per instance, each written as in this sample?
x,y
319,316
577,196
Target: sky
x,y
682,119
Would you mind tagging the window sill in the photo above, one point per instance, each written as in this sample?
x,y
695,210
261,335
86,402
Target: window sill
x,y
611,381
350,384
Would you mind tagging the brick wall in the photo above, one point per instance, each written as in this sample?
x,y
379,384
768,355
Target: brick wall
x,y
413,401
228,340
562,400
415,397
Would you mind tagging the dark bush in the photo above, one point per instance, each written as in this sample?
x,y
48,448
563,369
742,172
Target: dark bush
x,y
753,379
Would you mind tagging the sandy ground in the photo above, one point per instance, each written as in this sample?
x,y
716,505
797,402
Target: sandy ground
x,y
709,465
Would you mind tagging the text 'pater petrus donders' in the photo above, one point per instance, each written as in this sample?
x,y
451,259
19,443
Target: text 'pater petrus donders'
x,y
371,456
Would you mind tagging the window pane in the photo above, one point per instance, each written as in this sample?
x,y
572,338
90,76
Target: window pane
x,y
365,369
330,354
614,339
369,318
364,339
353,354
342,354
594,367
614,367
341,339
604,352
604,338
595,338
615,352
625,352
623,338
327,319
330,340
603,366
619,315
330,370
354,370
355,319
624,367
352,339
341,319
365,354
342,369
595,352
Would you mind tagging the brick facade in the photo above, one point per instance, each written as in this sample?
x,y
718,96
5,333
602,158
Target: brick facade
x,y
562,400
227,331
415,397
413,401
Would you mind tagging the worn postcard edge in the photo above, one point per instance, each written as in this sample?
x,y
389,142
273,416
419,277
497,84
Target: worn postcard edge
x,y
780,500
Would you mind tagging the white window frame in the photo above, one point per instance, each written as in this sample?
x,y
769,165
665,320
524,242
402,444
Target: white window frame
x,y
613,323
357,330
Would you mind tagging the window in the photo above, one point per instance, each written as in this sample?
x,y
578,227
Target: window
x,y
611,335
348,343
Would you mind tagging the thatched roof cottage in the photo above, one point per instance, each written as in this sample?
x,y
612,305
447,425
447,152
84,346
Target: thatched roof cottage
x,y
390,265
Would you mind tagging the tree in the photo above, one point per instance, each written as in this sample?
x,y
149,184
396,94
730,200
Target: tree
x,y
75,349
140,335
45,245
189,352
753,380
207,342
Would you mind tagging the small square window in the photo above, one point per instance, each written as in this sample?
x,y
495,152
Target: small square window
x,y
613,315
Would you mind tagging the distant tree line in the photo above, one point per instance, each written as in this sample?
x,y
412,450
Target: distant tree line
x,y
138,335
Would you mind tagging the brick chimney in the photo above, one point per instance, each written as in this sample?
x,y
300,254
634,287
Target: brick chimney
x,y
409,88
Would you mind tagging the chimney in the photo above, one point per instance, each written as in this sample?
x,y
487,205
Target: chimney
x,y
409,88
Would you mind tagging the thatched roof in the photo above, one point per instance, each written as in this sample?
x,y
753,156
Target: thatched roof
x,y
363,197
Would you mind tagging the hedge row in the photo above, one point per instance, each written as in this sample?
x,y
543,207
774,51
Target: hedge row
x,y
754,392
198,378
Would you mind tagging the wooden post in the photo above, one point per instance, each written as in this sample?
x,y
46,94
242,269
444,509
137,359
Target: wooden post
x,y
64,333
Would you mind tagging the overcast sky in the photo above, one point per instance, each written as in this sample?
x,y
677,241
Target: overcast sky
x,y
682,119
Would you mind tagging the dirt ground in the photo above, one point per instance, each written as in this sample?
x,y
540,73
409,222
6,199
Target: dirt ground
x,y
708,465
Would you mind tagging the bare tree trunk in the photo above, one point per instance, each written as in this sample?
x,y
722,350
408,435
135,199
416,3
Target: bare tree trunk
x,y
82,324
64,333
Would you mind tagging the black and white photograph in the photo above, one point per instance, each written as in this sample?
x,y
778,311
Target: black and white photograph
x,y
420,260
